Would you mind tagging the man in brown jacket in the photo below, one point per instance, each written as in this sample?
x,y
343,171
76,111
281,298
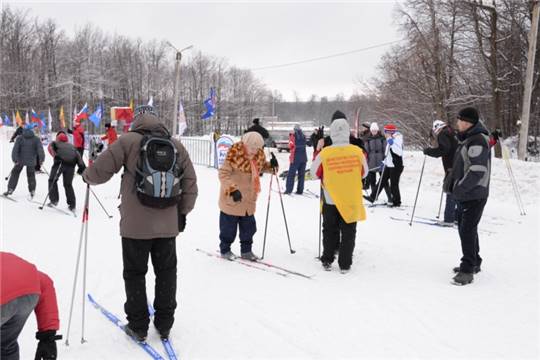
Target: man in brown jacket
x,y
146,230
240,187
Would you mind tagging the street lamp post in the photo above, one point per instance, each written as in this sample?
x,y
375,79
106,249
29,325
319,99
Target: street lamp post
x,y
176,88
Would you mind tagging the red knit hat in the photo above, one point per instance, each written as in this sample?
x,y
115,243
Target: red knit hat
x,y
61,136
390,128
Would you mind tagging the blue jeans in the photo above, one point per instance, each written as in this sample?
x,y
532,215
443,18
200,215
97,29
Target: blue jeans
x,y
14,315
228,225
450,209
293,168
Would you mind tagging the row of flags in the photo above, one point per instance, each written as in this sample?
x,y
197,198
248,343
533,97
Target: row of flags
x,y
121,113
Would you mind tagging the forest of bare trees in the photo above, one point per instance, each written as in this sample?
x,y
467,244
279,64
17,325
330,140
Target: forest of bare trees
x,y
454,53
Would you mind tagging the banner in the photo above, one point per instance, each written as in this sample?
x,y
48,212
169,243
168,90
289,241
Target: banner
x,y
223,145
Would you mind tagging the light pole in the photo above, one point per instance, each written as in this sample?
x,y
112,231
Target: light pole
x,y
176,85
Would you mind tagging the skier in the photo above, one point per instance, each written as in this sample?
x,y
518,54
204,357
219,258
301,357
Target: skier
x,y
444,145
17,132
65,158
26,289
111,136
392,165
240,187
469,185
297,159
149,221
375,147
26,151
341,168
78,136
257,127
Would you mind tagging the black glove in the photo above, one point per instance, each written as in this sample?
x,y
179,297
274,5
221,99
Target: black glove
x,y
46,349
81,169
181,222
236,196
496,134
273,162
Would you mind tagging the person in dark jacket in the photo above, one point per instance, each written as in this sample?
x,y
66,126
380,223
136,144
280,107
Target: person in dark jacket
x,y
444,145
298,160
257,127
65,158
375,147
469,184
25,289
17,133
26,151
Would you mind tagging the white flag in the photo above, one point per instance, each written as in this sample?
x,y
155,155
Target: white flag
x,y
49,124
182,124
151,101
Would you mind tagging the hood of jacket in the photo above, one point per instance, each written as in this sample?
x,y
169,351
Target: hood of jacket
x,y
339,132
27,133
149,122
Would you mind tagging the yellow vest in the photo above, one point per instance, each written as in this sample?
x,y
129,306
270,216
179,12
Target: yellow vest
x,y
342,179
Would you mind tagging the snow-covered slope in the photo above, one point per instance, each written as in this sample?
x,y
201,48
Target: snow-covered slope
x,y
397,302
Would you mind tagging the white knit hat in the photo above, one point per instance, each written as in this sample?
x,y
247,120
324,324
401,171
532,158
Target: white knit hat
x,y
437,124
374,127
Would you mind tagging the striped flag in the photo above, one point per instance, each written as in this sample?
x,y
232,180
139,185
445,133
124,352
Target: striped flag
x,y
182,123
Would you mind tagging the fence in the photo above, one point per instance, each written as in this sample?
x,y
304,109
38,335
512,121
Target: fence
x,y
201,151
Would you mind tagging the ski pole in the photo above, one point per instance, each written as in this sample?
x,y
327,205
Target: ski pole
x,y
100,204
382,173
55,179
440,205
9,175
418,190
320,220
84,220
284,216
267,212
513,180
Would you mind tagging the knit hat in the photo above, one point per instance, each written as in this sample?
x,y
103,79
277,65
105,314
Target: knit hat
x,y
437,124
339,131
468,114
256,121
374,127
107,125
338,115
390,128
61,136
253,139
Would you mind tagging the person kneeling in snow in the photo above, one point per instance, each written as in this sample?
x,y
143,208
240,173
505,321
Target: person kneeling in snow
x,y
341,168
25,289
240,186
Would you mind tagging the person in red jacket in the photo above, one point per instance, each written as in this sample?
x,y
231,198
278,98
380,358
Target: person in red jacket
x,y
110,134
78,136
23,288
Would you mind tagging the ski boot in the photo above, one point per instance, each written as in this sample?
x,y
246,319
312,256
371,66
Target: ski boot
x,y
229,256
326,265
476,269
8,192
463,278
249,256
137,335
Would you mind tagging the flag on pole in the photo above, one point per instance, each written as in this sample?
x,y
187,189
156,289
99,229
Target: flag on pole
x,y
182,123
96,116
151,101
49,123
19,119
83,114
27,118
62,119
210,104
7,121
131,105
34,117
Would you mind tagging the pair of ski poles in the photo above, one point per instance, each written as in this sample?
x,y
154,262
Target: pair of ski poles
x,y
274,174
517,195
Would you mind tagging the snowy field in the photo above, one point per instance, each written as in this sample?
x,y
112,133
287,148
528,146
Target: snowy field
x,y
397,302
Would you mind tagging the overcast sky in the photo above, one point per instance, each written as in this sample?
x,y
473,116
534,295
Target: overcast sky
x,y
252,35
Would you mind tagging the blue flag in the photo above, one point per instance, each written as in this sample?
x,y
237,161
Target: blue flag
x,y
210,104
7,121
96,116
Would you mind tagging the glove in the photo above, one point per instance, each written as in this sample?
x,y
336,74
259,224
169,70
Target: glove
x,y
181,222
273,162
46,349
496,134
81,169
381,167
236,196
425,151
390,141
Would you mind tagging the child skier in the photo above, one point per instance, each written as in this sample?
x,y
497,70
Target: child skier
x,y
240,186
341,167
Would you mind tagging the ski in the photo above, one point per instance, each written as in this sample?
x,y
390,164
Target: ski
x,y
421,221
8,198
167,346
236,260
278,268
116,321
375,205
68,213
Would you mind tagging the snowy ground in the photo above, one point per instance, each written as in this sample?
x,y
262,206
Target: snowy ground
x,y
397,302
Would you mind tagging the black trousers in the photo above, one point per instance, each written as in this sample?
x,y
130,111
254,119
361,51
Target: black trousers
x,y
334,230
393,174
371,180
67,172
468,216
135,254
30,174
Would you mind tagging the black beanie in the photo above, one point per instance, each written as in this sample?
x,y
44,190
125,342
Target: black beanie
x,y
338,115
468,114
256,121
